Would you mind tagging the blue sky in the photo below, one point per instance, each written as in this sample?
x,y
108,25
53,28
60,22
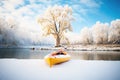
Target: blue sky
x,y
85,12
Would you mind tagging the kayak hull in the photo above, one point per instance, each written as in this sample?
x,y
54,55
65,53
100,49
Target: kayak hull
x,y
52,60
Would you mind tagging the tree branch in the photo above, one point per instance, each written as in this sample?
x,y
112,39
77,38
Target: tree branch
x,y
54,22
59,27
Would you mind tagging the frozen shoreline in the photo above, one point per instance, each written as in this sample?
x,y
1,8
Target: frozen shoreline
x,y
35,69
87,48
72,47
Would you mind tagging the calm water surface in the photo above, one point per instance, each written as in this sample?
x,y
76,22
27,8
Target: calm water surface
x,y
39,54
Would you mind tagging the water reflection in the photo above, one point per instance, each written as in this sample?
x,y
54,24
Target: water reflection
x,y
23,53
39,54
95,55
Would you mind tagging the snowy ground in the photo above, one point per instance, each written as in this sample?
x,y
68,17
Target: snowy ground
x,y
101,47
36,69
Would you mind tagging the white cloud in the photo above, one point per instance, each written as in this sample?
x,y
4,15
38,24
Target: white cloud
x,y
81,9
33,1
35,7
10,5
90,3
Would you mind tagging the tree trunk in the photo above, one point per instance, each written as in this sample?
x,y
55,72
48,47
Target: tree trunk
x,y
57,41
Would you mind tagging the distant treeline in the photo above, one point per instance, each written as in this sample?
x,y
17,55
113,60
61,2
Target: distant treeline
x,y
99,33
13,33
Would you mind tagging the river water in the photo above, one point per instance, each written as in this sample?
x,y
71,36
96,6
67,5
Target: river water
x,y
39,54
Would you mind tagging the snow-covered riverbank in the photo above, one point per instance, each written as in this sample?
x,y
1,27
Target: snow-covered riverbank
x,y
86,48
36,69
71,47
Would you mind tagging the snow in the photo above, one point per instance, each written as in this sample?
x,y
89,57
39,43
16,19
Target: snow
x,y
37,69
85,48
57,56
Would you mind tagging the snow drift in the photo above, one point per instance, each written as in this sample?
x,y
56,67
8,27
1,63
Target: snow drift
x,y
33,69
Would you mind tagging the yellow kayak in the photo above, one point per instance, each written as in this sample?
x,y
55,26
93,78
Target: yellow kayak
x,y
55,58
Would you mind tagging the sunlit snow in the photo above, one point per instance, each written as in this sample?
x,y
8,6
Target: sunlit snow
x,y
36,69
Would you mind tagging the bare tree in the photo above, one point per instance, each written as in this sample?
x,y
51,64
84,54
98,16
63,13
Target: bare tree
x,y
56,20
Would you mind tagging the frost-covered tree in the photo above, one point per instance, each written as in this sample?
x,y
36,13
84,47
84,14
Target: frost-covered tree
x,y
100,33
15,33
86,36
114,31
7,29
56,21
